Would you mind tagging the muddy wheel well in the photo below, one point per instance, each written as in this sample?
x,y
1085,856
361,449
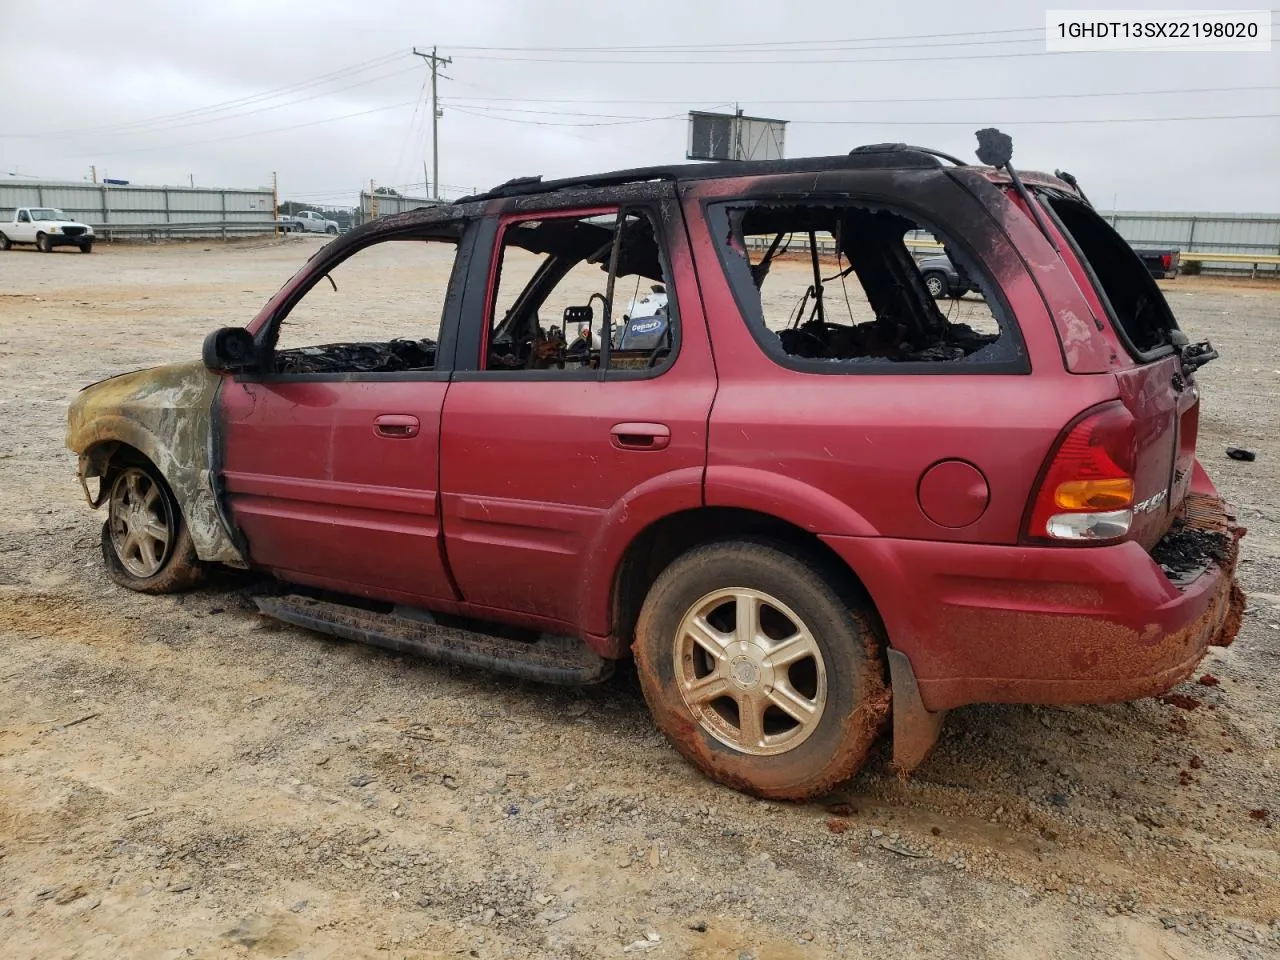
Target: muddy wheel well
x,y
107,457
663,541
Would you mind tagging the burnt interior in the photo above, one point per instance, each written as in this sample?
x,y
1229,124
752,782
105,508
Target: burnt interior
x,y
395,356
626,244
907,324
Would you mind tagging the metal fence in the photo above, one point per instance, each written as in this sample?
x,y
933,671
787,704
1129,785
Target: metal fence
x,y
157,211
383,205
1206,234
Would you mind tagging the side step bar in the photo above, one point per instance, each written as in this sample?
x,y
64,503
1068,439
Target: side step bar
x,y
559,660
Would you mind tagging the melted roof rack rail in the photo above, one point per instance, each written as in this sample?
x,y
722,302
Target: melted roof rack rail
x,y
870,157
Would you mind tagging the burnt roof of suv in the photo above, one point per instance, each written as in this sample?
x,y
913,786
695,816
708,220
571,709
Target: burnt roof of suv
x,y
877,156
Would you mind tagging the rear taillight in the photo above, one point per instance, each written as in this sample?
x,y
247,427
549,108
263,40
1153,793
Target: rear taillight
x,y
1086,490
1166,261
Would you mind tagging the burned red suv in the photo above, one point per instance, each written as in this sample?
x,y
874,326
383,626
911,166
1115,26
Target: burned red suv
x,y
709,415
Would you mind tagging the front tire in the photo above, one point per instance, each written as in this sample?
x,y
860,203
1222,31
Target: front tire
x,y
758,671
86,247
43,244
145,542
5,242
332,231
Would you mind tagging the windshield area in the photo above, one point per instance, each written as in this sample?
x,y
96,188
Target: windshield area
x,y
47,213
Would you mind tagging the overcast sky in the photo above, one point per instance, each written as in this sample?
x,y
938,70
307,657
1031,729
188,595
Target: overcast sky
x,y
154,91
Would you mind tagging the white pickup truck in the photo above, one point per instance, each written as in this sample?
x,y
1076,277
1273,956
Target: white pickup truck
x,y
308,221
46,227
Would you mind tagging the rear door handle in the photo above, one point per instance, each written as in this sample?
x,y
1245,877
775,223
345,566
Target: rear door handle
x,y
396,426
640,436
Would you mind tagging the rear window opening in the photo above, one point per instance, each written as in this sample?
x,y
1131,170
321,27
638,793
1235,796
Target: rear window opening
x,y
843,287
1137,308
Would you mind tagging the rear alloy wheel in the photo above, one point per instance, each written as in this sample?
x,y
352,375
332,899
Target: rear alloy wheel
x,y
145,542
43,244
758,671
936,284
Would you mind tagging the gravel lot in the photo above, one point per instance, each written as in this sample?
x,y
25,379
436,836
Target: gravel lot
x,y
182,778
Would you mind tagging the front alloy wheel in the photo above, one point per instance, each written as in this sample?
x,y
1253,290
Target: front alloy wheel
x,y
145,542
141,523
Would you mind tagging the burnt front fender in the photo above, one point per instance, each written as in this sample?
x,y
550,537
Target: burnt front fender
x,y
166,414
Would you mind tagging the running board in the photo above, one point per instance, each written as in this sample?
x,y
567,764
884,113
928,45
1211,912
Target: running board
x,y
559,660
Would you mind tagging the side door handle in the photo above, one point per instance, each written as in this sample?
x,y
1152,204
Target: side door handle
x,y
396,426
640,436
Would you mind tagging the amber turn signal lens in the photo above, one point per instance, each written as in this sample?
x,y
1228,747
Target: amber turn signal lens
x,y
1113,494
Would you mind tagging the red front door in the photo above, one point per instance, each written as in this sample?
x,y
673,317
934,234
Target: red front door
x,y
335,483
329,457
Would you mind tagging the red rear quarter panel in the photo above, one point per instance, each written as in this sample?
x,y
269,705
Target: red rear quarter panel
x,y
844,453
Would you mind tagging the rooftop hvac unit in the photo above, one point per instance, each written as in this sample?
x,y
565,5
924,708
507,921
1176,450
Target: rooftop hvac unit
x,y
731,136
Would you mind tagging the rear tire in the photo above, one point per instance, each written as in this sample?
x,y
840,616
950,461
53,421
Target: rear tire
x,y
795,697
145,541
936,284
43,244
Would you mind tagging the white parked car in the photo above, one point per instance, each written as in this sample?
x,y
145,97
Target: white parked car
x,y
46,227
312,222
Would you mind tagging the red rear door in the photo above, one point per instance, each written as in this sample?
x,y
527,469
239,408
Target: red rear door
x,y
545,456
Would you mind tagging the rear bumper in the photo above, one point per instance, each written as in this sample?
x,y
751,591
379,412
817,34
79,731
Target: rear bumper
x,y
1052,625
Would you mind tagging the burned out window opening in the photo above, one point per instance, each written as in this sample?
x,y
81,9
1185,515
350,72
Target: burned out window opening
x,y
832,286
567,297
378,311
1137,308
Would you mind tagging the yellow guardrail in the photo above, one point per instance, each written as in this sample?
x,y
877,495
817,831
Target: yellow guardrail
x,y
1253,259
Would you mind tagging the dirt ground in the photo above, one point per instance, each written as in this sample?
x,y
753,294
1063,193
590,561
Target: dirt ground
x,y
182,778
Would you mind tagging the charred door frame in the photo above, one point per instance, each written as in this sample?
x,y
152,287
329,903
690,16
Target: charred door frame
x,y
658,200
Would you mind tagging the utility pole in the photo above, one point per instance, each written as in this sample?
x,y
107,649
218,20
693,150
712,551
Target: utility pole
x,y
191,178
435,60
275,199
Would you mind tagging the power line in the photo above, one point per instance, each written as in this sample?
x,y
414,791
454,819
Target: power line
x,y
804,62
248,113
759,43
223,106
889,122
553,123
256,133
413,121
475,101
1023,123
